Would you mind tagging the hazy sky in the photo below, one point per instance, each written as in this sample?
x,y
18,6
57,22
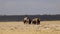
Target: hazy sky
x,y
30,7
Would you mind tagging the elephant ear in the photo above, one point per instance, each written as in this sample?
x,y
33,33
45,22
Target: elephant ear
x,y
33,19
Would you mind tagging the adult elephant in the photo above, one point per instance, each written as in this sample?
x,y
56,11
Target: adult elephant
x,y
27,20
35,21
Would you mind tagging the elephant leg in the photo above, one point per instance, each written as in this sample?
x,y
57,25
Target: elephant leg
x,y
24,21
38,22
29,22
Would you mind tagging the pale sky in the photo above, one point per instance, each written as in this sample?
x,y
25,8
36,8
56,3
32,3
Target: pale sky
x,y
29,7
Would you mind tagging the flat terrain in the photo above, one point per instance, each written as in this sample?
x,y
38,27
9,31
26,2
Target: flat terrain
x,y
46,27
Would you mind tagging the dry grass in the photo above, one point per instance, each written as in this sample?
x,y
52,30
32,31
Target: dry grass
x,y
46,27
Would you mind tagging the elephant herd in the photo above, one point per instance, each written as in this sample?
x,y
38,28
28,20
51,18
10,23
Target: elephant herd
x,y
33,21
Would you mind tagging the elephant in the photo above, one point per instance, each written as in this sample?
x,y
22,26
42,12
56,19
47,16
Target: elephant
x,y
35,21
27,20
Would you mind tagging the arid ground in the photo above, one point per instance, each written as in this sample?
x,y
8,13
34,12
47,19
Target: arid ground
x,y
45,27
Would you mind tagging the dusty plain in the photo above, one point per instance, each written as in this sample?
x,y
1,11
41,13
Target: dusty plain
x,y
18,27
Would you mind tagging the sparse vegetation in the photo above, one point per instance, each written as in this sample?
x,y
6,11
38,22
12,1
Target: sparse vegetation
x,y
46,27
